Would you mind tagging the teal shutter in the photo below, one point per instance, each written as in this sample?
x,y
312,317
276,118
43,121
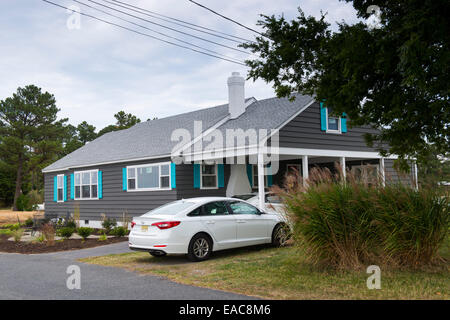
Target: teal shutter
x,y
221,175
269,176
65,188
344,122
100,185
173,178
323,117
55,188
124,179
72,186
250,174
196,175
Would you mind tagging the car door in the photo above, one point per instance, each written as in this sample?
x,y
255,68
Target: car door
x,y
220,223
252,225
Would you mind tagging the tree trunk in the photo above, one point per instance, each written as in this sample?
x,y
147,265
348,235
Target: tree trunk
x,y
18,181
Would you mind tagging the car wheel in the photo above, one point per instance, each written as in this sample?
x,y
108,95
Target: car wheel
x,y
280,235
157,254
200,248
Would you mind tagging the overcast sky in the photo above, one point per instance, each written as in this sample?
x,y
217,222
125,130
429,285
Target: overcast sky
x,y
98,69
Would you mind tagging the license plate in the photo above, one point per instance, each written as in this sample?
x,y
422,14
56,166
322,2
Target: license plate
x,y
144,228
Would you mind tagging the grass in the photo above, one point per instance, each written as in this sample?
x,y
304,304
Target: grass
x,y
8,216
283,273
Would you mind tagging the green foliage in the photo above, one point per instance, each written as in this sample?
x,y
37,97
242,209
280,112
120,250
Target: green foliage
x,y
84,232
119,231
13,227
36,197
103,237
123,121
17,234
29,222
24,203
355,224
71,224
108,224
395,77
66,232
31,135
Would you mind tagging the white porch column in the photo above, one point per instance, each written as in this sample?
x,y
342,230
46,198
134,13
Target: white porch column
x,y
305,171
344,172
261,193
383,172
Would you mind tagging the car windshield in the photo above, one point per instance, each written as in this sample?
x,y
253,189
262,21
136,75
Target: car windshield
x,y
244,196
171,208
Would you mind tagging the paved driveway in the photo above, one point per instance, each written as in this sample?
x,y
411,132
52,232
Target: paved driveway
x,y
44,276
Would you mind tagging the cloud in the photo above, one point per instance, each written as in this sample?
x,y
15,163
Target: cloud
x,y
100,69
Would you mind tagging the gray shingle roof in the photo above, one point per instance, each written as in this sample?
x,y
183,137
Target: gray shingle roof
x,y
153,138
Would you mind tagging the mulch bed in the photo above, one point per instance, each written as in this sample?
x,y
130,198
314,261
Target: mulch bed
x,y
60,245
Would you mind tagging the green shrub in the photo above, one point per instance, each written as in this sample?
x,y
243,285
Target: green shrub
x,y
103,237
71,224
66,232
84,232
17,234
355,224
24,203
35,197
119,231
14,227
29,222
108,224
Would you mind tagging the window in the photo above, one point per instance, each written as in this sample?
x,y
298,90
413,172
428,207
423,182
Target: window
x,y
333,123
243,208
171,208
86,185
209,176
255,177
215,209
149,177
60,187
368,173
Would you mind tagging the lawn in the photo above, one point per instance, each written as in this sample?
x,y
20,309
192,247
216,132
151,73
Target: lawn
x,y
281,273
10,217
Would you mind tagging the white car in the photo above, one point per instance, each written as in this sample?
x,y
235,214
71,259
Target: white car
x,y
273,203
199,226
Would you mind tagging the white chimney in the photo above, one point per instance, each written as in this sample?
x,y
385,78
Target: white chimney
x,y
236,95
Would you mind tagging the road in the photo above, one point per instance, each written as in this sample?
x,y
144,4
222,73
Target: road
x,y
43,276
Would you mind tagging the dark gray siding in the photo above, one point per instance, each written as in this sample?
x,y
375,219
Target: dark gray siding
x,y
185,183
304,132
115,201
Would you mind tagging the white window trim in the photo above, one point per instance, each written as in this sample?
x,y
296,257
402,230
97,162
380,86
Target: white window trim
x,y
57,188
137,189
339,130
81,184
266,181
216,174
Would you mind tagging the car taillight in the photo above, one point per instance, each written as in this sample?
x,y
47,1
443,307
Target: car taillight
x,y
166,224
133,224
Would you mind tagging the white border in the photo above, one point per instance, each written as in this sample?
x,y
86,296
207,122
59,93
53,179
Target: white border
x,y
159,178
57,178
339,130
201,177
81,184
